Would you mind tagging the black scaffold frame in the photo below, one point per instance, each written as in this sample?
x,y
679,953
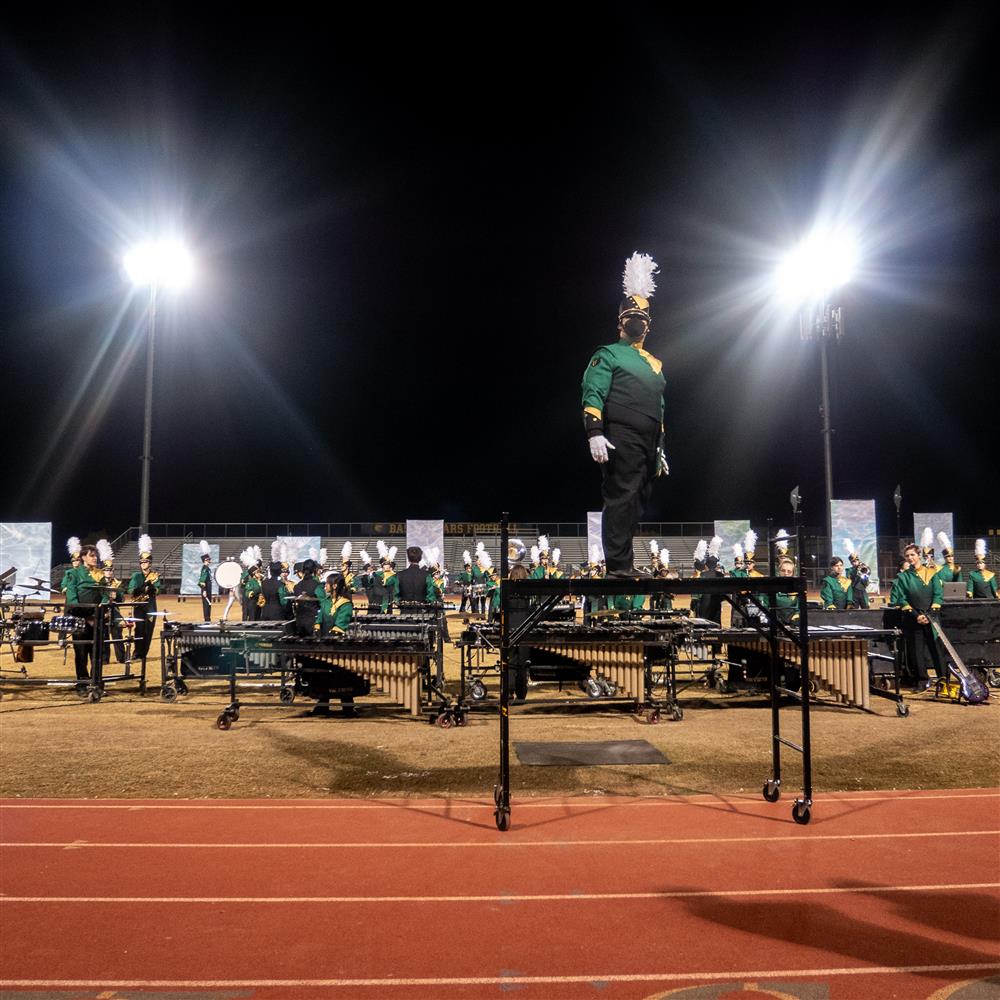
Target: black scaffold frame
x,y
550,592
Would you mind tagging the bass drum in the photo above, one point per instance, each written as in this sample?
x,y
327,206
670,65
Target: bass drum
x,y
227,574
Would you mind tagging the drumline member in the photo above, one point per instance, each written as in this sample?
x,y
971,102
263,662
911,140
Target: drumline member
x,y
143,586
83,594
388,582
274,591
205,580
75,560
253,594
336,609
982,584
306,600
465,582
917,590
112,594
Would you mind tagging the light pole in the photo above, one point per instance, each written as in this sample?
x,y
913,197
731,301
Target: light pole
x,y
154,263
807,278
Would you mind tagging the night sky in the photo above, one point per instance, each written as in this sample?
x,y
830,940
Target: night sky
x,y
410,236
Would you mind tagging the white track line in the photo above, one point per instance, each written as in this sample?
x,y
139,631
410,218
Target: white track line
x,y
72,845
651,977
505,897
416,806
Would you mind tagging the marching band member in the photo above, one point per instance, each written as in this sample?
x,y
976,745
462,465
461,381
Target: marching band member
x,y
205,580
346,565
835,590
465,582
414,581
83,594
111,596
306,600
622,400
75,560
738,570
478,580
949,572
982,583
388,583
253,595
859,575
540,569
749,554
927,549
143,586
917,590
274,589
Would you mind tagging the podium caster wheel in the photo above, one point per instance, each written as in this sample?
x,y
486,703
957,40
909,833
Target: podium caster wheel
x,y
677,713
902,710
461,719
502,817
800,813
478,691
223,722
168,693
94,696
653,716
182,688
592,688
287,696
771,791
444,720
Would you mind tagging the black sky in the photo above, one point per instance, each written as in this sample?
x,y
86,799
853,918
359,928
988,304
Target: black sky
x,y
411,234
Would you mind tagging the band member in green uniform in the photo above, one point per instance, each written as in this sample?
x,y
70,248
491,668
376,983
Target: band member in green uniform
x,y
622,401
112,595
787,611
73,547
205,580
835,590
916,591
83,594
982,583
859,575
253,594
950,572
143,586
465,582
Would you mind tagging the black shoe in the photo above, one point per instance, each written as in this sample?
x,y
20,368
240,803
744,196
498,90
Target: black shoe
x,y
622,574
321,709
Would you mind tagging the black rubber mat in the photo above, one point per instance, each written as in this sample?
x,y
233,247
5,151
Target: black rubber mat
x,y
565,754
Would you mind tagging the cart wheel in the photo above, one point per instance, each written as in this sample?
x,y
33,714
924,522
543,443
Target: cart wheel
x,y
771,791
168,693
478,691
223,722
235,714
611,689
461,718
502,817
800,812
993,677
287,695
653,716
721,686
605,688
94,695
444,720
592,688
182,688
902,709
677,713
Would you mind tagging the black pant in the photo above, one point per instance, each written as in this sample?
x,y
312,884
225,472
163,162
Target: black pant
x,y
206,606
921,648
83,651
626,485
143,636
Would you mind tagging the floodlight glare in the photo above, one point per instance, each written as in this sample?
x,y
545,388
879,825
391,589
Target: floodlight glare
x,y
818,266
163,263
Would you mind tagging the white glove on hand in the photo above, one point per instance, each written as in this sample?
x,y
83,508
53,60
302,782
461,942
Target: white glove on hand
x,y
599,446
662,468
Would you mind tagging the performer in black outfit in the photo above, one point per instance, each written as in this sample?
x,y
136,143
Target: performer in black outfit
x,y
623,418
306,597
274,596
413,579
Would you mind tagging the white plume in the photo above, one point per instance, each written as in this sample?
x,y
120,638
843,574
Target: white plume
x,y
535,554
366,560
927,539
849,546
393,549
737,551
543,543
104,551
73,545
700,550
145,544
750,541
654,547
781,541
484,560
258,556
322,557
383,551
480,547
595,555
637,278
345,552
275,551
246,557
715,546
206,549
423,562
980,548
556,553
466,558
944,541
313,553
283,551
665,556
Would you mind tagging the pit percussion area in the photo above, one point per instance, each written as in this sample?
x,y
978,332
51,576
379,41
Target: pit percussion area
x,y
146,852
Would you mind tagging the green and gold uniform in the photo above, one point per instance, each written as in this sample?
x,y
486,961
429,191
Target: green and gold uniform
x,y
390,585
949,575
622,399
82,589
340,614
252,591
205,586
917,591
981,585
141,588
835,593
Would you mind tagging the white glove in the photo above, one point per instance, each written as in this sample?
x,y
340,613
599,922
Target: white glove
x,y
599,446
662,468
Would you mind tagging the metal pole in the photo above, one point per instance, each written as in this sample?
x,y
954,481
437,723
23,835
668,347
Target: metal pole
x,y
827,432
147,431
501,794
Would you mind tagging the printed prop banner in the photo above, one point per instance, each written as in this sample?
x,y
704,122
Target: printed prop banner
x,y
299,549
27,546
731,533
426,534
936,522
594,523
191,568
854,520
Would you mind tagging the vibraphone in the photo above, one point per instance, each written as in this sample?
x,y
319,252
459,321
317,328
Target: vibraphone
x,y
838,656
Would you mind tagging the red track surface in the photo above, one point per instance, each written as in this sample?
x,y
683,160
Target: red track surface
x,y
882,895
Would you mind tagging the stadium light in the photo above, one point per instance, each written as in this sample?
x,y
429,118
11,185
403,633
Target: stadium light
x,y
823,262
165,263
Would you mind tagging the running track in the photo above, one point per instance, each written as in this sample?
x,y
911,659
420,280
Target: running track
x,y
884,894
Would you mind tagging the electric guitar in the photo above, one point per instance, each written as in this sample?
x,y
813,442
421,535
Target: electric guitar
x,y
974,691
